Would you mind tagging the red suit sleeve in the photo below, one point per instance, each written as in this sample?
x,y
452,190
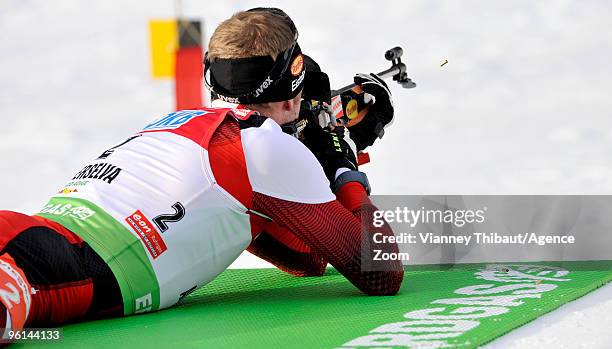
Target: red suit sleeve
x,y
287,252
334,234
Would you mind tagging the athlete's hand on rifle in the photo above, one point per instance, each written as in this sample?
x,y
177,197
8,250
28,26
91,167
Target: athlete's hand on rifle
x,y
379,114
330,148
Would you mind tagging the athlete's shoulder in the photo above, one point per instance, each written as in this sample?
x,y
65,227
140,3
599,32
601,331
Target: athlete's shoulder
x,y
182,118
197,125
280,166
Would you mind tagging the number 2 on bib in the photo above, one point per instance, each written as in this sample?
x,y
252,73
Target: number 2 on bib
x,y
161,220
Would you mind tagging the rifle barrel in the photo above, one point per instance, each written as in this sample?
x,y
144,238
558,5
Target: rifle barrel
x,y
394,70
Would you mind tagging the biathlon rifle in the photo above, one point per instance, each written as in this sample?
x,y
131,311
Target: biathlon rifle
x,y
349,104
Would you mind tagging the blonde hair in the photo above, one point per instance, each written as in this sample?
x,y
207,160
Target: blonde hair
x,y
249,34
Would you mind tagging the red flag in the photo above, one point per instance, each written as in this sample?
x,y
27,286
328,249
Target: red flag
x,y
188,77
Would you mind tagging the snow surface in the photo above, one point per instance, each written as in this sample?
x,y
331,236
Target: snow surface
x,y
584,323
522,107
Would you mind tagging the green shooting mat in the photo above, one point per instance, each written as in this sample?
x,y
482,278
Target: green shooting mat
x,y
459,306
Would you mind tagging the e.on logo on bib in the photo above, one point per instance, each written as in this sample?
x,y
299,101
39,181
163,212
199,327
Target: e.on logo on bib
x,y
147,233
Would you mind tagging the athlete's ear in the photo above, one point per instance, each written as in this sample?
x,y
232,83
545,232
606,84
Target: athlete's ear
x,y
293,103
287,105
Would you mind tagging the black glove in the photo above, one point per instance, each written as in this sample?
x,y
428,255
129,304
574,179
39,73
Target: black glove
x,y
330,148
379,114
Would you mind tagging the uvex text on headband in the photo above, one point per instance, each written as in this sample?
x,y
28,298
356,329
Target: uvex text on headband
x,y
257,79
